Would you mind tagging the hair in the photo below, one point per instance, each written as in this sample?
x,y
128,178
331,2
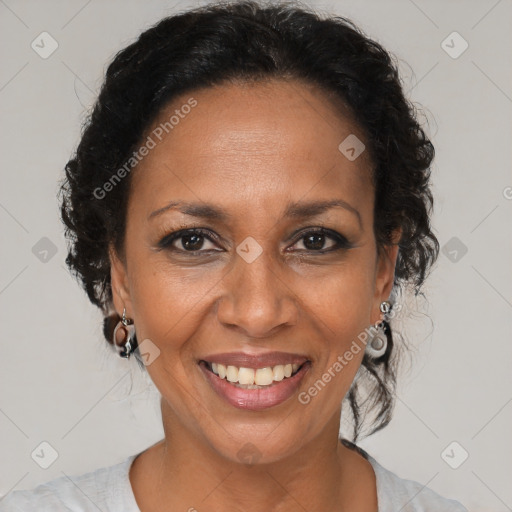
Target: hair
x,y
241,42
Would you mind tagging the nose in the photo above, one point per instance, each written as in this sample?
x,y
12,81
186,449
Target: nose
x,y
257,300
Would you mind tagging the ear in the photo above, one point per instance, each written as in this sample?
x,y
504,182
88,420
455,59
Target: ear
x,y
119,283
385,274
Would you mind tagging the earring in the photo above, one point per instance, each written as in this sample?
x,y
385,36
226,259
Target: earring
x,y
378,345
128,341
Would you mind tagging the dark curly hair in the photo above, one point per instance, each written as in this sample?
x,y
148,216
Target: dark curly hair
x,y
249,41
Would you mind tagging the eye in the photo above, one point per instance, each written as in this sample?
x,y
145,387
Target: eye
x,y
193,240
315,240
188,240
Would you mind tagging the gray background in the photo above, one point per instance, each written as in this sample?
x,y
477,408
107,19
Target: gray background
x,y
60,383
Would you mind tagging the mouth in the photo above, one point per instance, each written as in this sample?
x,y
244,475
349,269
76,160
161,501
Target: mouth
x,y
254,389
253,378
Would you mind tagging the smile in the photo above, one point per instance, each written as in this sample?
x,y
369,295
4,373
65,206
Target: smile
x,y
254,378
254,388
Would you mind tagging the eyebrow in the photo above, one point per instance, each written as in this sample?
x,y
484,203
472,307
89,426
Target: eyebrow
x,y
293,210
312,208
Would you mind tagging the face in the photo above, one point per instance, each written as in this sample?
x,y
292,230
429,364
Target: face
x,y
227,260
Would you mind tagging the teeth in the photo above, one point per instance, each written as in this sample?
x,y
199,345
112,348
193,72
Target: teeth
x,y
250,378
278,372
232,374
263,376
246,376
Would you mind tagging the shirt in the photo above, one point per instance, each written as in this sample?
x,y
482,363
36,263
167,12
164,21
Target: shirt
x,y
108,489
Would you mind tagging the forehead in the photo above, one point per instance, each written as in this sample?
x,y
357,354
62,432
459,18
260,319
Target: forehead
x,y
259,140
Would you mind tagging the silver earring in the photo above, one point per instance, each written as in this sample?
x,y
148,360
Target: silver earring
x,y
378,345
128,342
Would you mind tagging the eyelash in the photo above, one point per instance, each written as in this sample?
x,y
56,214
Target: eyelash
x,y
340,241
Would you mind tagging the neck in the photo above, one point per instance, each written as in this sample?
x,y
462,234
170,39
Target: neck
x,y
186,472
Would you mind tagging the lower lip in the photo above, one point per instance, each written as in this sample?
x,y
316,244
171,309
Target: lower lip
x,y
255,399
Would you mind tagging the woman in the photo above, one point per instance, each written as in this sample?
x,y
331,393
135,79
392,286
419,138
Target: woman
x,y
248,201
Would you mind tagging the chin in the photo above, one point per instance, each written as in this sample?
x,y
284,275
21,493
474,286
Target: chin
x,y
256,448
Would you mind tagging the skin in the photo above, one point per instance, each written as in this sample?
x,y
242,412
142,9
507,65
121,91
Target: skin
x,y
251,149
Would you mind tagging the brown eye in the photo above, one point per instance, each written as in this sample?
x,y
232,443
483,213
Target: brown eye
x,y
316,240
190,240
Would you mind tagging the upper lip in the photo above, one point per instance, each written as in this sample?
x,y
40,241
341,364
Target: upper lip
x,y
262,360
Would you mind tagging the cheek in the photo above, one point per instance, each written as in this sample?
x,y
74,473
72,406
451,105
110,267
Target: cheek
x,y
166,298
168,309
343,299
168,301
342,305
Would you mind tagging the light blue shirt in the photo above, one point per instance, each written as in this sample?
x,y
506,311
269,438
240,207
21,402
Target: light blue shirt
x,y
109,489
